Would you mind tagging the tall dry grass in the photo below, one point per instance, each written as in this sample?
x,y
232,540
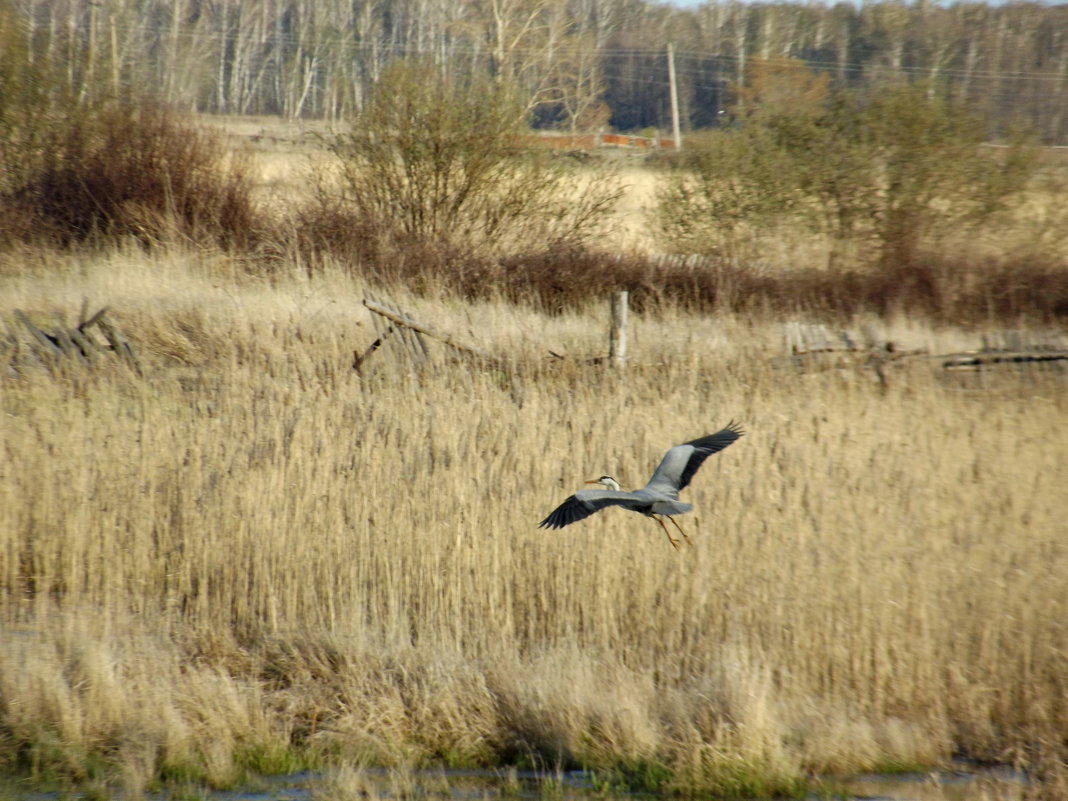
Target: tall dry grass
x,y
253,558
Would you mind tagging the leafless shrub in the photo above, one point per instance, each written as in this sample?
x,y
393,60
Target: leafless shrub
x,y
434,162
124,169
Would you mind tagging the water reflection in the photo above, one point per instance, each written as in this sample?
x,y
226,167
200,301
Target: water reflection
x,y
960,782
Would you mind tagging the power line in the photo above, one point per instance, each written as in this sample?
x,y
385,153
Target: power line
x,y
383,47
266,50
658,53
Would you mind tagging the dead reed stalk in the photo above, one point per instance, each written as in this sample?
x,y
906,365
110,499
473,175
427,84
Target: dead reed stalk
x,y
253,556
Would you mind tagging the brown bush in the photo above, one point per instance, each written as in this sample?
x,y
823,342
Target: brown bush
x,y
934,287
123,169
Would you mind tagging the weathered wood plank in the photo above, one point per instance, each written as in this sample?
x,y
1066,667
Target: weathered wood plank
x,y
96,318
84,346
358,359
978,359
120,345
50,343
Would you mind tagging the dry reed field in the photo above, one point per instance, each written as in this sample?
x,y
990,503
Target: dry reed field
x,y
251,558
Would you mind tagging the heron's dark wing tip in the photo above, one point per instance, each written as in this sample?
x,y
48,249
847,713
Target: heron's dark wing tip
x,y
564,514
713,443
704,447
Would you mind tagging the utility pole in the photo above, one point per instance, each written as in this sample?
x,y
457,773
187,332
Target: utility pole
x,y
676,133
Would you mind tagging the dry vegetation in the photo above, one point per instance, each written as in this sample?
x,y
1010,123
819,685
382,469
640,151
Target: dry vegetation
x,y
252,558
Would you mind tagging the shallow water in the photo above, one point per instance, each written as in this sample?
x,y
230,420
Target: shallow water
x,y
959,782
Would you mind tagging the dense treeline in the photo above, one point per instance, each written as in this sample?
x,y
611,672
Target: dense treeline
x,y
582,63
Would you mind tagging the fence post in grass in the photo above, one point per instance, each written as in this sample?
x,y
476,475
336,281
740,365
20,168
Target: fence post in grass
x,y
617,334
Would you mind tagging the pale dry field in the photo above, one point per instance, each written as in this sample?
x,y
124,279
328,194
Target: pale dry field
x,y
251,557
285,153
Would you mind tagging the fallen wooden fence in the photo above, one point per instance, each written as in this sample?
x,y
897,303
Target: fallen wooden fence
x,y
1012,347
78,343
413,331
975,360
807,344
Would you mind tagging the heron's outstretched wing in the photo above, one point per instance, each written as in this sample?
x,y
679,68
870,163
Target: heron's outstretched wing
x,y
681,462
585,502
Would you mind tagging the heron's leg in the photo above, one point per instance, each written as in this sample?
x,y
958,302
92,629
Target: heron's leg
x,y
676,525
674,542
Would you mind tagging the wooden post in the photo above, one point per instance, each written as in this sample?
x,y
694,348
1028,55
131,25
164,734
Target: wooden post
x,y
617,334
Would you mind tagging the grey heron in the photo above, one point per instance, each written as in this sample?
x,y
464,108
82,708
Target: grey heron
x,y
659,497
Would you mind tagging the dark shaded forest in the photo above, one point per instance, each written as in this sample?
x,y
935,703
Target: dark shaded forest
x,y
582,64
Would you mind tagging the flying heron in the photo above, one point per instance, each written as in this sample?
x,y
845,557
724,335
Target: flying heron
x,y
659,497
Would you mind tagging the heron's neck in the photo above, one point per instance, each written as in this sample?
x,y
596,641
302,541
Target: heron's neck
x,y
611,483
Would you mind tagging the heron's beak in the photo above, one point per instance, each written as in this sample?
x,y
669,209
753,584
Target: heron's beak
x,y
594,481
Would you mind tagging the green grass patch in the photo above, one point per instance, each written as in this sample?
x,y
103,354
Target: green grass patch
x,y
632,776
270,759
